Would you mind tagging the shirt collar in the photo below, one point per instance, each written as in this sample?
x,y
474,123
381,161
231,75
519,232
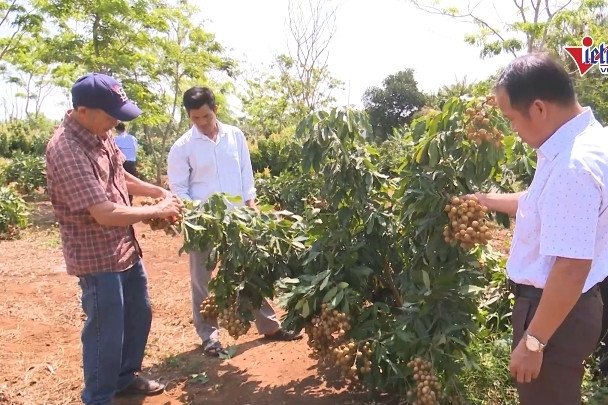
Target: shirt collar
x,y
197,134
566,133
80,133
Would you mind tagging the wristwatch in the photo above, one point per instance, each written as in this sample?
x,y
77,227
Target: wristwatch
x,y
533,344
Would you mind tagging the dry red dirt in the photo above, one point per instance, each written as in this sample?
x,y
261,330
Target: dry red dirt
x,y
41,318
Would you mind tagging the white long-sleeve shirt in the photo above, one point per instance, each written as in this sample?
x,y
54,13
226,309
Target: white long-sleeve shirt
x,y
199,167
564,213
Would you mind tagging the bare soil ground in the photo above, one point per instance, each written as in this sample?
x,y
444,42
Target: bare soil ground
x,y
41,319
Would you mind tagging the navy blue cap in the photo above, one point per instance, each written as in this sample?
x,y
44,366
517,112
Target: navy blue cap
x,y
96,90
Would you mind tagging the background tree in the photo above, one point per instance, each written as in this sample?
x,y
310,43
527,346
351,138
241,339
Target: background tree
x,y
31,74
266,106
393,105
304,72
180,57
155,47
540,26
447,91
19,20
528,31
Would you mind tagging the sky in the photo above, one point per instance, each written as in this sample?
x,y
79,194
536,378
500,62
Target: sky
x,y
373,39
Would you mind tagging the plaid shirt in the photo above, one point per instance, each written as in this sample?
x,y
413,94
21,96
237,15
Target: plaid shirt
x,y
83,170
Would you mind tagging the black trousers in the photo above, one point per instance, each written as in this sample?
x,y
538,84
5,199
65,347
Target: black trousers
x,y
131,168
561,374
602,351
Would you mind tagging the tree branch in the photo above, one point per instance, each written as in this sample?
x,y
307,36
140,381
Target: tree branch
x,y
522,11
468,15
549,20
9,10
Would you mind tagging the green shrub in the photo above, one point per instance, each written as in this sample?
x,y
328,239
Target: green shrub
x,y
146,169
289,190
28,172
278,153
25,136
393,152
13,213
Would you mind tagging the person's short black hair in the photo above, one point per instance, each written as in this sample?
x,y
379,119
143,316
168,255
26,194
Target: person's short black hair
x,y
536,76
198,96
120,126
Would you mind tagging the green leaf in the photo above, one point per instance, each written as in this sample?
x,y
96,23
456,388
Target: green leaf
x,y
234,199
300,304
337,299
361,271
200,378
298,244
419,128
342,284
194,226
321,276
228,353
305,310
324,283
330,294
433,153
471,289
426,279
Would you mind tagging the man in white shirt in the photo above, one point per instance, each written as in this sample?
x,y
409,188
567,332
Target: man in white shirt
x,y
127,144
209,158
559,252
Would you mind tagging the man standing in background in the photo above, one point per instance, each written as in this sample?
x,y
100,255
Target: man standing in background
x,y
209,158
127,144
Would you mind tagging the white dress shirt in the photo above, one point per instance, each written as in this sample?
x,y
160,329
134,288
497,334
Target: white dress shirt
x,y
199,167
563,213
127,144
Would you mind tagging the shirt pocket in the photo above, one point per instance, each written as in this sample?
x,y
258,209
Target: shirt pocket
x,y
102,169
527,221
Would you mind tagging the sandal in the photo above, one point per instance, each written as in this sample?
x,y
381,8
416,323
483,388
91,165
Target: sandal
x,y
283,336
213,348
143,387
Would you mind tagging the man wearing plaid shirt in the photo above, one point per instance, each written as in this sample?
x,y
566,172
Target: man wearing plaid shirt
x,y
89,190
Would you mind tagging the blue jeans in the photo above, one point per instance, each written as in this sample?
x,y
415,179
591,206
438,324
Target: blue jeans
x,y
115,333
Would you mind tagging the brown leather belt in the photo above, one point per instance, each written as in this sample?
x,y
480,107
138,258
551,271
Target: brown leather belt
x,y
533,293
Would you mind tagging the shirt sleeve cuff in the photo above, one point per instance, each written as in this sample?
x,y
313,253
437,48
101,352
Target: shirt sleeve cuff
x,y
250,195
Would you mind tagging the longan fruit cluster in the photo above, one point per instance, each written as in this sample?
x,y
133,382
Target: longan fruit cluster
x,y
151,201
351,359
209,308
468,224
169,225
322,329
478,128
428,387
231,320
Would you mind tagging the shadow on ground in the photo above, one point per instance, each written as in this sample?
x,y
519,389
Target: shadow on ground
x,y
193,378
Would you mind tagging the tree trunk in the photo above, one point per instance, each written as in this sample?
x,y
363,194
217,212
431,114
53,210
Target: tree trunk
x,y
155,154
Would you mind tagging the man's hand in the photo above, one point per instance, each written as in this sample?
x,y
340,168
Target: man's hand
x,y
525,365
480,197
506,203
251,204
169,207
